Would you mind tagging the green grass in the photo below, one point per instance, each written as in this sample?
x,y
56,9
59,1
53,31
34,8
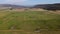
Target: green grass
x,y
29,20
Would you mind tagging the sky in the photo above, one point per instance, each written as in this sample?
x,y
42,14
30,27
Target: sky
x,y
28,2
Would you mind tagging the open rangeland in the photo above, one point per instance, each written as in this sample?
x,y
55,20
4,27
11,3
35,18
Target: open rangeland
x,y
29,22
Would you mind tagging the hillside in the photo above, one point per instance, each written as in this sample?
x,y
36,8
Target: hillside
x,y
55,6
28,22
13,6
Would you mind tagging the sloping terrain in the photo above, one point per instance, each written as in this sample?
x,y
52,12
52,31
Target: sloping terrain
x,y
10,5
15,22
55,6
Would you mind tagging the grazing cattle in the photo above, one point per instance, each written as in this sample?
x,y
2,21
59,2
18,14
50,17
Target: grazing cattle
x,y
26,9
37,30
11,8
13,27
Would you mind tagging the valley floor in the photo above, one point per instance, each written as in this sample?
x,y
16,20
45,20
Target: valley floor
x,y
26,22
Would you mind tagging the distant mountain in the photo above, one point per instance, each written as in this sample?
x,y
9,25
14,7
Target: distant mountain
x,y
13,6
55,6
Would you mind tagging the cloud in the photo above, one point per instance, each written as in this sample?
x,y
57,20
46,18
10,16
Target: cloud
x,y
12,1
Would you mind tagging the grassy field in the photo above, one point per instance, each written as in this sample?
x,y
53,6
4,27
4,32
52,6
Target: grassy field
x,y
26,22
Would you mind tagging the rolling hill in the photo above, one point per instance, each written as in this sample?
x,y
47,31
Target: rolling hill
x,y
13,6
55,6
